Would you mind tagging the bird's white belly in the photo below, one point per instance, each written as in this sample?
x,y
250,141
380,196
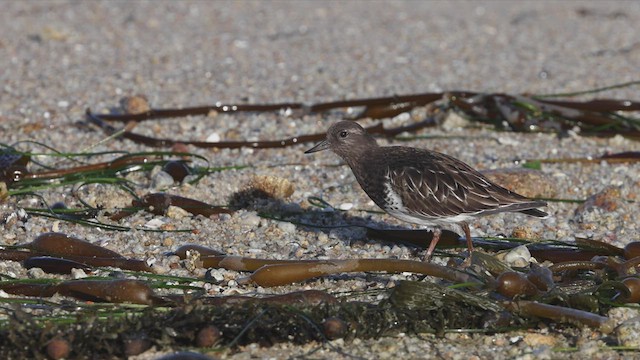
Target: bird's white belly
x,y
429,220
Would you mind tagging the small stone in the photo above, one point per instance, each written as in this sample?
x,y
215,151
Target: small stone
x,y
136,104
287,227
454,121
213,137
522,232
250,219
215,274
154,223
161,180
78,273
345,206
272,186
518,257
36,273
192,261
175,212
323,238
167,242
534,339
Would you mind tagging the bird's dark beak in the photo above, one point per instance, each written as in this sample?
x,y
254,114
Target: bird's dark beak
x,y
321,146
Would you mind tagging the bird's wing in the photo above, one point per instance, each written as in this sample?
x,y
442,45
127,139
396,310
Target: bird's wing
x,y
441,186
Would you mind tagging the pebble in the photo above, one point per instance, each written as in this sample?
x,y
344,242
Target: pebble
x,y
250,219
454,121
176,212
287,227
36,273
78,274
213,137
536,340
216,275
136,104
161,180
518,257
345,206
154,223
273,186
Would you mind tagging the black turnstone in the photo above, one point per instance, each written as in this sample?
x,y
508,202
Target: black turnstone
x,y
421,186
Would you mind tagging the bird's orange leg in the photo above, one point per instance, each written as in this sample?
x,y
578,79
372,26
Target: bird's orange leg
x,y
467,234
436,237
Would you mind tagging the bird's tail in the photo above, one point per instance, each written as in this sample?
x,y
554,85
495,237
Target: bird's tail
x,y
535,212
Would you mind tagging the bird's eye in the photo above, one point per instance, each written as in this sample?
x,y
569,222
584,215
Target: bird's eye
x,y
343,133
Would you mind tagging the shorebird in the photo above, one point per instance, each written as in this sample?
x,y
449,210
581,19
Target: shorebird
x,y
422,186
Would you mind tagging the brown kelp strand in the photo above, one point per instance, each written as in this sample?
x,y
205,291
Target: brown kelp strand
x,y
560,314
601,247
273,272
53,265
81,251
210,259
576,265
118,164
518,112
21,179
54,243
240,263
14,255
283,274
43,290
584,249
114,291
260,144
556,255
159,203
121,263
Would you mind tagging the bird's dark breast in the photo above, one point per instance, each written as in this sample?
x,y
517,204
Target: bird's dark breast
x,y
371,175
373,168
